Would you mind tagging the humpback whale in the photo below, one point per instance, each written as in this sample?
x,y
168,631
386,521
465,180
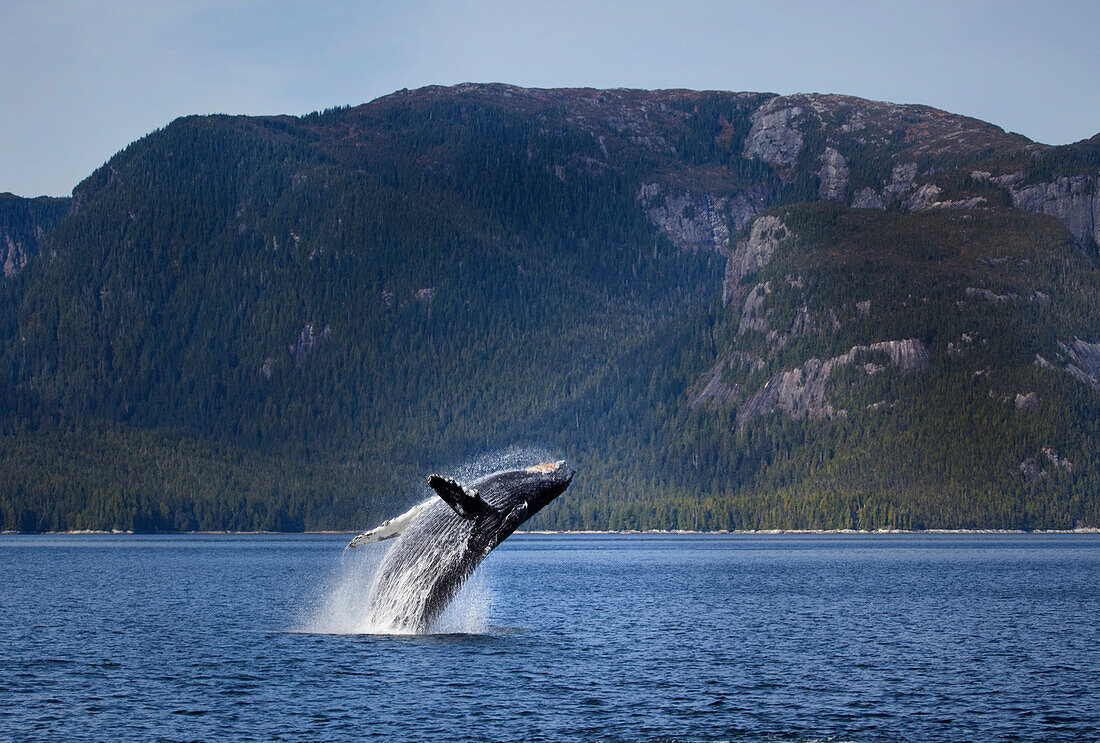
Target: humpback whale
x,y
441,541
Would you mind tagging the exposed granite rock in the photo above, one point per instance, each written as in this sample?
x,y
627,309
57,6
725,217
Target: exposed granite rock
x,y
1082,360
1030,401
15,254
988,296
699,221
901,180
800,392
712,389
1075,200
1032,471
308,339
753,316
803,322
775,137
925,197
868,198
1079,359
1056,461
973,202
833,176
901,183
743,207
966,341
1008,180
909,355
750,255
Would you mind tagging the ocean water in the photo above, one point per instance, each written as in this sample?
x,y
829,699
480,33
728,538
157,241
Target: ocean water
x,y
559,638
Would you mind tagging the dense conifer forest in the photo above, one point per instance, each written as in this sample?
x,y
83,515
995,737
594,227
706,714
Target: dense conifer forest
x,y
285,323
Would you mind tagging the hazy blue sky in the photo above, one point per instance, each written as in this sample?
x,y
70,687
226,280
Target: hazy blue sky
x,y
80,79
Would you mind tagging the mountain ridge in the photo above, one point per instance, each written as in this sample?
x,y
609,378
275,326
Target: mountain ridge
x,y
292,316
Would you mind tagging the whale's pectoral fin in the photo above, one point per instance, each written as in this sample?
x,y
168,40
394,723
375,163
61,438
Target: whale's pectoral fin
x,y
395,527
466,503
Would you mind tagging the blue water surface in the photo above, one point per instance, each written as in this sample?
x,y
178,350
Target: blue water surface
x,y
561,637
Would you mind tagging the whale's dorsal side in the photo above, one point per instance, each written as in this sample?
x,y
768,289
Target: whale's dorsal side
x,y
466,503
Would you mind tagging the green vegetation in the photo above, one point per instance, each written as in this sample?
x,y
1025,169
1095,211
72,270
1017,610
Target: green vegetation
x,y
19,216
22,224
286,323
939,448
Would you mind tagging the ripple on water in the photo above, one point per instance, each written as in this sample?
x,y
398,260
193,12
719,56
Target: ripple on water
x,y
561,638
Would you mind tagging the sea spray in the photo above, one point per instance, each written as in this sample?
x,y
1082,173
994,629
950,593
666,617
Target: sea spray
x,y
343,604
470,611
510,458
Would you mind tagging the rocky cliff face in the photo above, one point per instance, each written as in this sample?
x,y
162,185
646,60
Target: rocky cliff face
x,y
894,137
714,389
23,223
751,255
833,176
776,136
1075,200
805,306
699,220
1080,358
14,254
897,137
800,392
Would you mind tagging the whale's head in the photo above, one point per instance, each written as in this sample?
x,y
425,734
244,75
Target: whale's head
x,y
546,482
524,492
504,500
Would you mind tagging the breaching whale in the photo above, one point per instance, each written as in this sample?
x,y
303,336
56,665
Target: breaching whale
x,y
441,541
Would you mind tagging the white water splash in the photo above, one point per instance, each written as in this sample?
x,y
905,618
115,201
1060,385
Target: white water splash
x,y
345,605
470,610
345,602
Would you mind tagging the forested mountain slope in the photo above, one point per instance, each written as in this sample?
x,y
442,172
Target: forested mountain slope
x,y
23,222
282,323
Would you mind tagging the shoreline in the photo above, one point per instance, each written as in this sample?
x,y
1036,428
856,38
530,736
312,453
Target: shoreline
x,y
765,532
625,532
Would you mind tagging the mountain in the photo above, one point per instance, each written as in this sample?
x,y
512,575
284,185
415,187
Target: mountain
x,y
731,310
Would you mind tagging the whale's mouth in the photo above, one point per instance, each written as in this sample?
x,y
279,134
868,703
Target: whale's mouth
x,y
545,467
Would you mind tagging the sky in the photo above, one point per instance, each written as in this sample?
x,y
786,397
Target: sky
x,y
81,79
